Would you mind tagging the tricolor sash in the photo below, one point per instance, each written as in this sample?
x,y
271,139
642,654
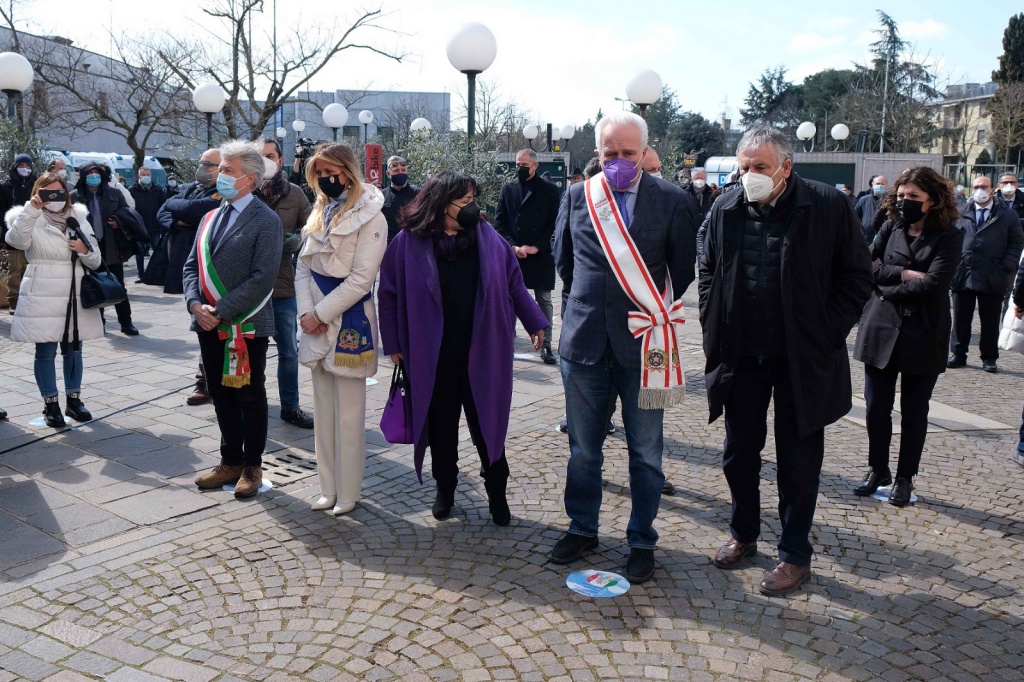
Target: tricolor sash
x,y
354,345
662,383
236,371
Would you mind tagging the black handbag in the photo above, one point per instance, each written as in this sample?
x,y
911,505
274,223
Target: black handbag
x,y
100,289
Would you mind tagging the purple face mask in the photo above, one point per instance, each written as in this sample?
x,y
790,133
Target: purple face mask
x,y
620,173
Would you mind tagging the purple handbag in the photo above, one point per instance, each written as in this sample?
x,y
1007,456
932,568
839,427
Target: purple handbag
x,y
396,421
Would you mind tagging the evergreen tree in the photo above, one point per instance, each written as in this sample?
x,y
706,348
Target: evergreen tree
x,y
1011,63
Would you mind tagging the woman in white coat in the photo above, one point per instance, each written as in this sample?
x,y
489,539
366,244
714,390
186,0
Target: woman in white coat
x,y
40,229
346,237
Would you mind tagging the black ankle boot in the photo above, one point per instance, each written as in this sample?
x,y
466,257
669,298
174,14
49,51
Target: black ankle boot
x,y
497,501
443,503
76,410
51,410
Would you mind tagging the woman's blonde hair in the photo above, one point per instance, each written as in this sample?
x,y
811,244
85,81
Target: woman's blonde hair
x,y
336,154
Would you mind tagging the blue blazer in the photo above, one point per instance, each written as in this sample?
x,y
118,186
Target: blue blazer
x,y
594,306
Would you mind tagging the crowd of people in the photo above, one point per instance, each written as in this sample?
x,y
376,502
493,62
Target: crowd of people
x,y
786,267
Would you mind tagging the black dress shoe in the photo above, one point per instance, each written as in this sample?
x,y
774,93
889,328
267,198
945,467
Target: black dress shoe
x,y
989,366
76,410
900,495
128,329
443,503
956,361
3,413
611,428
640,565
667,488
571,548
563,426
548,357
298,418
873,480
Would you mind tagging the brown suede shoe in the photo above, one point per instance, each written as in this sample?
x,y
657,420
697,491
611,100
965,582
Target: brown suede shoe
x,y
200,396
220,476
784,578
732,554
249,484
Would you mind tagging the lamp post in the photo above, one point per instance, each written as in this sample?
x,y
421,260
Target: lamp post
x,y
531,132
16,76
209,99
420,125
567,132
806,132
335,116
366,118
471,50
840,132
281,133
644,90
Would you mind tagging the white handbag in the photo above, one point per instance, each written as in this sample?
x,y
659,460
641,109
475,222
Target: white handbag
x,y
1011,336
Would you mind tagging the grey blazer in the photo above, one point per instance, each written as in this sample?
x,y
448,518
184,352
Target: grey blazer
x,y
246,259
594,306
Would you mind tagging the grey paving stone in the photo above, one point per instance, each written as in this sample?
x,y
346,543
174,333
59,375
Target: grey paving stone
x,y
161,504
28,667
27,544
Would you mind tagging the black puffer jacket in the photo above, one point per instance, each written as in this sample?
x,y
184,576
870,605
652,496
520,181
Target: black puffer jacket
x,y
15,191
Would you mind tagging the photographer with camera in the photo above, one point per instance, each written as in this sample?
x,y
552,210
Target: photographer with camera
x,y
304,149
48,228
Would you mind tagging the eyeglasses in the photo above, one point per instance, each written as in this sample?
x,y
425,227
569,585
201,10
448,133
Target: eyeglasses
x,y
208,164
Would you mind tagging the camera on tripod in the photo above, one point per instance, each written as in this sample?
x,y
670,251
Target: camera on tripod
x,y
305,147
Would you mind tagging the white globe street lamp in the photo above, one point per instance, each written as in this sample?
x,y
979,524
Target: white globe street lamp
x,y
472,50
644,89
281,133
209,98
420,124
840,132
16,76
366,118
298,126
806,132
335,116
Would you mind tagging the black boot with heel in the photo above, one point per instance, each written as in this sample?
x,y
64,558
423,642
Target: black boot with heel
x,y
76,410
496,483
51,410
443,502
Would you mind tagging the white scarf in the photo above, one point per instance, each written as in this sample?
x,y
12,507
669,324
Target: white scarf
x,y
662,383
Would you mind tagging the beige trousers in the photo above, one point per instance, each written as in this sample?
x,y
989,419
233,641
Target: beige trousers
x,y
339,410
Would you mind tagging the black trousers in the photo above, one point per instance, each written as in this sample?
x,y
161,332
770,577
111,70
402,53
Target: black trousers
x,y
880,395
963,315
451,395
798,459
241,412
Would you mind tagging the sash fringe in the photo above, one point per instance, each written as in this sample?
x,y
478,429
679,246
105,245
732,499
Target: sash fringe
x,y
357,360
235,381
660,398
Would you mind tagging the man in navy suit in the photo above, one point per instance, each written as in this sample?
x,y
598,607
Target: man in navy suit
x,y
600,358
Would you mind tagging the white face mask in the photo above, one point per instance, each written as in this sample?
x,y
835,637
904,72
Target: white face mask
x,y
758,186
24,172
54,206
62,173
656,174
699,184
1008,190
980,196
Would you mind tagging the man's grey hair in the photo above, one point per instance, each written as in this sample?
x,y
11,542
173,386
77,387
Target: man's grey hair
x,y
621,118
396,159
698,169
761,134
250,154
529,153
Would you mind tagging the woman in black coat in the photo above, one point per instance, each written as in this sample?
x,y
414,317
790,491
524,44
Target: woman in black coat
x,y
905,326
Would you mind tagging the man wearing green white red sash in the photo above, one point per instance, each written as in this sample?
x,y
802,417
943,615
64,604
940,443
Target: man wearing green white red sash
x,y
229,279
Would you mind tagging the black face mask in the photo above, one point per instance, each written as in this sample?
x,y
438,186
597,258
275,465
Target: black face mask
x,y
331,186
522,173
910,210
468,216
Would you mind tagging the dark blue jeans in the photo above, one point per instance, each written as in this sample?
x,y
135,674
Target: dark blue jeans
x,y
285,313
46,370
589,390
798,458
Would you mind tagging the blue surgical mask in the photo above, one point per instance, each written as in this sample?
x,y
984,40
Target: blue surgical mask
x,y
93,180
226,186
145,180
878,190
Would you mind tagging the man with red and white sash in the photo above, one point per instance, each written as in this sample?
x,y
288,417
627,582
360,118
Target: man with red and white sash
x,y
228,281
625,246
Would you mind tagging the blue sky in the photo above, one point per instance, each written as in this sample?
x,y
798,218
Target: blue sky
x,y
564,60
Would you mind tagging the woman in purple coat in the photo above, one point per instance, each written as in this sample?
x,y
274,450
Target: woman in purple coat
x,y
450,292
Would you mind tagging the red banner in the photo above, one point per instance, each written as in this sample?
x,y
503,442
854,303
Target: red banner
x,y
374,164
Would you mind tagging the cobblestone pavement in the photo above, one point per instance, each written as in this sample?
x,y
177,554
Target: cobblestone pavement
x,y
113,566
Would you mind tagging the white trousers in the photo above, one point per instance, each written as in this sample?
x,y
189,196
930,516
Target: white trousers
x,y
339,410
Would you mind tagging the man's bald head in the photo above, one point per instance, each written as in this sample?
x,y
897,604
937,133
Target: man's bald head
x,y
652,162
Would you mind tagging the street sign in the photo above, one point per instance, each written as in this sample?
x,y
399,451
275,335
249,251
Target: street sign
x,y
374,164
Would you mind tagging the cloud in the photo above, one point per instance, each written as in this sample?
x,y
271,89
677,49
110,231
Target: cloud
x,y
929,28
814,42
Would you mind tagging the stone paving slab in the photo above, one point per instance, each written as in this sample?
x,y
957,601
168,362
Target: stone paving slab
x,y
120,569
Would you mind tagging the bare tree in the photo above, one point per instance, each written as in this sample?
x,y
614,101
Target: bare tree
x,y
258,80
499,122
1007,111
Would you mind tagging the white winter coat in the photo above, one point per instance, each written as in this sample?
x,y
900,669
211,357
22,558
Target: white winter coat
x,y
353,249
43,297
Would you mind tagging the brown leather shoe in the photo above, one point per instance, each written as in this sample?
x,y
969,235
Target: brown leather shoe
x,y
784,578
200,396
249,484
220,476
732,554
